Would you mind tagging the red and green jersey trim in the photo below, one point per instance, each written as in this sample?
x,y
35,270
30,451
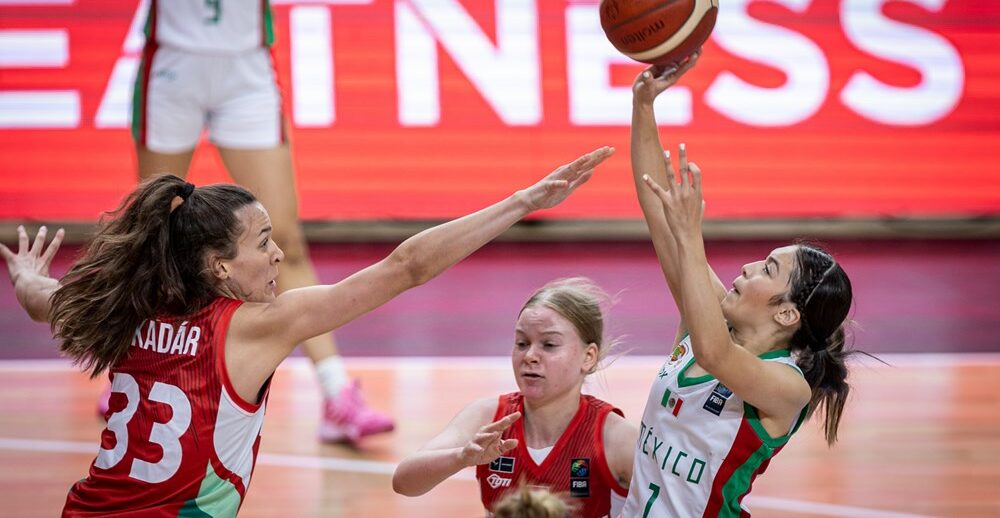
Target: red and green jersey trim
x,y
749,456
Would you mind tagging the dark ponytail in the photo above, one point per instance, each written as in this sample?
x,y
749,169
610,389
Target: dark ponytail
x,y
821,291
146,260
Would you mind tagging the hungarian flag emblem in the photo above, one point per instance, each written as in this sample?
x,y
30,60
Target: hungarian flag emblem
x,y
671,402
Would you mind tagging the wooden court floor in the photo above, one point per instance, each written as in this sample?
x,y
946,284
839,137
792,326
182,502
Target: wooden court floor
x,y
919,438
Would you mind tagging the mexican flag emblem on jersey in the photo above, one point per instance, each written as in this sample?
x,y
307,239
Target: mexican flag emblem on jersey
x,y
671,402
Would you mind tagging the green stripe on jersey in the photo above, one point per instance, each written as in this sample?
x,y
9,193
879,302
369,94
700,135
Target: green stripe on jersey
x,y
147,28
216,498
268,22
739,483
139,98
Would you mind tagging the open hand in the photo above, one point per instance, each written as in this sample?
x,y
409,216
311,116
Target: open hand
x,y
559,184
31,260
657,78
683,204
488,443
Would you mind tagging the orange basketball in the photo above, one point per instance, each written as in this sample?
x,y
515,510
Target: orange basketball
x,y
659,32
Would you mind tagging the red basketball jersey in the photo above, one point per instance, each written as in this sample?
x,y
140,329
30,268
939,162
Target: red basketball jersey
x,y
179,440
575,467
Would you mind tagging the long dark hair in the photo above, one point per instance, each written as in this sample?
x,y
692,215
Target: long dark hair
x,y
146,260
821,291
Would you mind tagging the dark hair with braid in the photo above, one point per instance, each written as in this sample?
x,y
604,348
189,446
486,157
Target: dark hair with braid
x,y
147,260
821,291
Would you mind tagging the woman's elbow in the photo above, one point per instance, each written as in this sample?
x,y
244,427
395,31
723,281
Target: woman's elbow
x,y
400,486
412,267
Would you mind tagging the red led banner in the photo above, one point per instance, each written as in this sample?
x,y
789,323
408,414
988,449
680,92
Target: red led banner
x,y
426,109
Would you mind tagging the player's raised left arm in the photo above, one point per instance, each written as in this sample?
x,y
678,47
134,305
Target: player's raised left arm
x,y
29,272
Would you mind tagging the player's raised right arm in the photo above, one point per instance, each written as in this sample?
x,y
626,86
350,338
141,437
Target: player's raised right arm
x,y
648,159
469,439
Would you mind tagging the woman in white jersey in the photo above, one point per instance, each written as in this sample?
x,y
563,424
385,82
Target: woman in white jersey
x,y
176,298
208,65
748,365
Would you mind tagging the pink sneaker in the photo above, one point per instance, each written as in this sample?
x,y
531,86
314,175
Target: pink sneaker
x,y
348,418
104,402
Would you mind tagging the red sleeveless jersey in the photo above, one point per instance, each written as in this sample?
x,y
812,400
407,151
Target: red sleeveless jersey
x,y
576,468
179,440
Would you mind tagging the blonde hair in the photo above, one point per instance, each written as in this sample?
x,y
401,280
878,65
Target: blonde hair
x,y
532,503
580,301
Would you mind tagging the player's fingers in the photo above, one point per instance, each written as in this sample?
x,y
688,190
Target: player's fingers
x,y
6,253
671,174
655,187
667,74
36,245
683,165
22,240
690,61
503,423
695,176
50,252
582,179
600,155
483,439
507,445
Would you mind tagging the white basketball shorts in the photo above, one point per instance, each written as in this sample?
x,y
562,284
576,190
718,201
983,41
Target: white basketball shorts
x,y
234,97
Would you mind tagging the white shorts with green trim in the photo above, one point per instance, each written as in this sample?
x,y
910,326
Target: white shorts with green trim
x,y
234,97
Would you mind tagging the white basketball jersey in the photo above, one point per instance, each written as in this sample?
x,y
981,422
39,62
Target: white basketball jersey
x,y
700,446
211,26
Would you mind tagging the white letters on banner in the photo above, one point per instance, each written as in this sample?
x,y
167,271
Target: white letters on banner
x,y
802,61
941,71
506,71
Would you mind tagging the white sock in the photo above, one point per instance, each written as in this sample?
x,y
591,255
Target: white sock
x,y
332,375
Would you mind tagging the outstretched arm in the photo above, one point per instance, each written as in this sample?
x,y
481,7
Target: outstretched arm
x,y
469,439
29,272
264,334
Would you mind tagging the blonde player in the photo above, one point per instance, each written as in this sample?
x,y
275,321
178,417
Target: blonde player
x,y
547,434
207,65
748,365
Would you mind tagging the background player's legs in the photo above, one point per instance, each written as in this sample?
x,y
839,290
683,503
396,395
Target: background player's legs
x,y
268,174
152,163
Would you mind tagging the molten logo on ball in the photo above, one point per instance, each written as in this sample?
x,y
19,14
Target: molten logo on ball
x,y
658,31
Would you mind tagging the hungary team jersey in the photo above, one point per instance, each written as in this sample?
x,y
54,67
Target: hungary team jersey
x,y
179,440
210,26
700,446
575,467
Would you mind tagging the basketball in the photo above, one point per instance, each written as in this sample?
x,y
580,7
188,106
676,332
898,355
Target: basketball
x,y
659,32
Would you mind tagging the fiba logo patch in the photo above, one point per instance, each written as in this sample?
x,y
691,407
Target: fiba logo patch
x,y
717,399
496,481
579,477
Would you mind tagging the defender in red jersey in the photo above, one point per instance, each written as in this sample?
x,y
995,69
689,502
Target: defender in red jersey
x,y
574,445
208,66
176,297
